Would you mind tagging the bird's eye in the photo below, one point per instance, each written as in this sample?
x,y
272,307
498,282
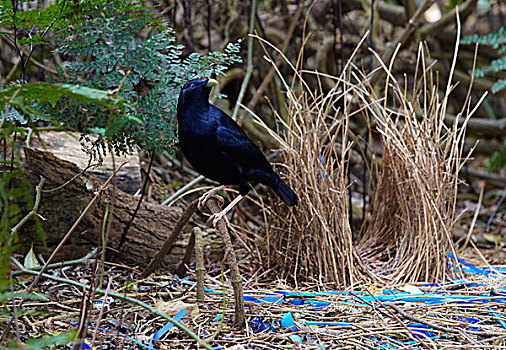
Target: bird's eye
x,y
192,86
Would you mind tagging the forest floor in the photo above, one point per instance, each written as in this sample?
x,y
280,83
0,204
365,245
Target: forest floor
x,y
467,312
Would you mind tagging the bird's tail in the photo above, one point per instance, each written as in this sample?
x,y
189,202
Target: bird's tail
x,y
282,190
285,192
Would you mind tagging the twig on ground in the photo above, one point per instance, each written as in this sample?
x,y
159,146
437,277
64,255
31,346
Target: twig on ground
x,y
60,264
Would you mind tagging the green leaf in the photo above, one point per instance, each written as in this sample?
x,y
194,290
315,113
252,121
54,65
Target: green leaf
x,y
44,342
21,96
15,295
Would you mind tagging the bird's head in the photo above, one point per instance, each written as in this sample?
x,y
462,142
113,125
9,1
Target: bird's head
x,y
196,91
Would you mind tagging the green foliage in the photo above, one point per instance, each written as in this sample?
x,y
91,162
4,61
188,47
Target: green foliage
x,y
148,72
497,41
35,101
104,41
498,159
35,21
21,97
45,341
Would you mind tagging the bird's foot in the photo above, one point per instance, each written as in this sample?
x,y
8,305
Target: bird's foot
x,y
212,193
223,214
218,216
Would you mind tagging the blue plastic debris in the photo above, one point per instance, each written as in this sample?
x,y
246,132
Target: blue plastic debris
x,y
160,333
258,325
435,296
495,314
287,320
421,330
486,271
327,323
295,338
120,334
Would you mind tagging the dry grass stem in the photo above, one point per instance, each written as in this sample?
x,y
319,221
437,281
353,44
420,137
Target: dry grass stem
x,y
411,209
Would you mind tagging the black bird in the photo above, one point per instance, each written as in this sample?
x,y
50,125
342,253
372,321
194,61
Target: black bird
x,y
216,146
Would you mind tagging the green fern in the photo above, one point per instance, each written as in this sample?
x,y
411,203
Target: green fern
x,y
149,72
497,41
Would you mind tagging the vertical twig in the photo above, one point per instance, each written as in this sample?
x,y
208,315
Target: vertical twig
x,y
143,193
272,72
104,245
187,256
104,304
208,3
221,227
200,270
477,211
33,212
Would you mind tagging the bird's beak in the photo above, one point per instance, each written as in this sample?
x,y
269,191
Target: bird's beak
x,y
211,82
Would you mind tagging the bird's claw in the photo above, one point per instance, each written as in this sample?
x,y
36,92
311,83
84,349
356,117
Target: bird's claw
x,y
217,217
212,193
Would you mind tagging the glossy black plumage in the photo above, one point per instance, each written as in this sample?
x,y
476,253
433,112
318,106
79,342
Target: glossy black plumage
x,y
216,146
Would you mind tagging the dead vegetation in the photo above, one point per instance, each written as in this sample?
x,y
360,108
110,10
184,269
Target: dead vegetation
x,y
414,179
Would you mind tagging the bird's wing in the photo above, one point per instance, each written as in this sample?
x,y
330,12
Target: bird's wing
x,y
236,145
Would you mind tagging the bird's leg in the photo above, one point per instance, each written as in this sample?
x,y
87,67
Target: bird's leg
x,y
223,214
209,194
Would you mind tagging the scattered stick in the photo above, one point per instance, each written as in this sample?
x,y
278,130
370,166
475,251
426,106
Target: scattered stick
x,y
427,323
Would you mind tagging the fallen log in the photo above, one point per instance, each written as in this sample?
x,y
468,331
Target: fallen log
x,y
61,207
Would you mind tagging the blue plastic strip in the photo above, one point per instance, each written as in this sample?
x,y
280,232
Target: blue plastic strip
x,y
161,332
495,314
476,270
